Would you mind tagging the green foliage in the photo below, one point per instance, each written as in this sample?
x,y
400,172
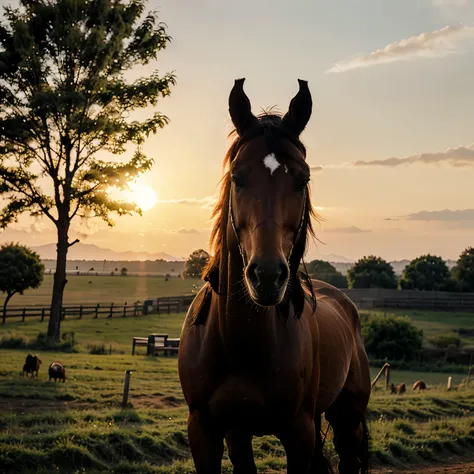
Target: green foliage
x,y
463,272
428,273
391,337
195,264
371,272
20,269
124,271
64,100
446,340
324,271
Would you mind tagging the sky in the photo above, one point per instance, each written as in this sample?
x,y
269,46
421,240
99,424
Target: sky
x,y
390,141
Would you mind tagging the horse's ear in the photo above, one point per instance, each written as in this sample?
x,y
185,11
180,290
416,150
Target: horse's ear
x,y
240,109
300,109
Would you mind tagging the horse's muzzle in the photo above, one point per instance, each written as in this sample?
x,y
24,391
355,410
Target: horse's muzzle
x,y
267,280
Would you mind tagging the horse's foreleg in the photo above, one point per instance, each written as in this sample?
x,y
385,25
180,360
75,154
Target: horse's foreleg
x,y
299,441
206,441
239,445
319,464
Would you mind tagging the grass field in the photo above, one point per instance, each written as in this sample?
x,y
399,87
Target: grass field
x,y
106,289
79,426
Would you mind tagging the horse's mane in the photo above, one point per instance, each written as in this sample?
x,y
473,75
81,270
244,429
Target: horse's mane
x,y
269,125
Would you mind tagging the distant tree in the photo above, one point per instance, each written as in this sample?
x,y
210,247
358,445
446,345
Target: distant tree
x,y
372,272
20,269
91,269
65,101
324,271
463,272
123,271
195,264
428,273
391,337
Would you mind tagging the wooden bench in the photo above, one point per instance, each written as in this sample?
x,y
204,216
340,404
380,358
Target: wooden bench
x,y
139,341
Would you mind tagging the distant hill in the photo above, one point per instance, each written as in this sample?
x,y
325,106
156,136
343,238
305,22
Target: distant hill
x,y
93,252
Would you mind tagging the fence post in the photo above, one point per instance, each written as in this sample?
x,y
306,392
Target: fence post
x,y
96,311
180,304
111,310
42,314
387,377
125,310
80,312
126,386
23,315
135,309
450,380
469,372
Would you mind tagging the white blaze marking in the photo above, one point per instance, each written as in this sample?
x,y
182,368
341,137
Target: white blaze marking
x,y
271,162
286,168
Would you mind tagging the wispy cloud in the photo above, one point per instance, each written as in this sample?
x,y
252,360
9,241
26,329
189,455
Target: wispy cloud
x,y
205,202
347,230
432,44
460,156
446,215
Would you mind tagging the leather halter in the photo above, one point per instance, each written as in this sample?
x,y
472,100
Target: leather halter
x,y
297,235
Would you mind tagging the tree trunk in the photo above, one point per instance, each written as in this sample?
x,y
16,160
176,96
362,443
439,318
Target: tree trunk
x,y
7,299
54,325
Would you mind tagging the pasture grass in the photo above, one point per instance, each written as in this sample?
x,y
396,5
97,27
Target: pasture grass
x,y
83,289
79,425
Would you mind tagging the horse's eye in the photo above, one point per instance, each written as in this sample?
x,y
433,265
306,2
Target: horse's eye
x,y
238,182
301,185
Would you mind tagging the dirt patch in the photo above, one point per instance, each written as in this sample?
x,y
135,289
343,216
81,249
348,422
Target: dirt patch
x,y
145,401
458,467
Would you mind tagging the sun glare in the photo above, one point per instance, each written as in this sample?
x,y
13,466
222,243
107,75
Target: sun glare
x,y
141,195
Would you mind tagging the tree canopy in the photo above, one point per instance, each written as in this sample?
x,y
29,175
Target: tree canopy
x,y
428,273
325,271
20,269
463,272
372,272
195,264
65,99
391,337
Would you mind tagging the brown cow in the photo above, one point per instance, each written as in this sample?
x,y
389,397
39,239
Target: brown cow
x,y
420,385
401,388
57,371
32,365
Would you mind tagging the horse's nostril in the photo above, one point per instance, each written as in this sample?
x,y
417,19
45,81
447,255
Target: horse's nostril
x,y
283,274
252,273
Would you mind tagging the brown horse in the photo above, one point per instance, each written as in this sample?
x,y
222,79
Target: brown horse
x,y
265,350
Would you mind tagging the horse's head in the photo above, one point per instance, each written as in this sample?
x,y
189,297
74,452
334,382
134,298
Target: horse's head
x,y
269,208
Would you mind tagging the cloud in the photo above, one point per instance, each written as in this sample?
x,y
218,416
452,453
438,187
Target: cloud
x,y
347,230
205,202
458,157
446,215
432,44
316,169
187,231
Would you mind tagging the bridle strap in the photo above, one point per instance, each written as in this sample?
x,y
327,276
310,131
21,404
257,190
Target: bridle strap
x,y
297,235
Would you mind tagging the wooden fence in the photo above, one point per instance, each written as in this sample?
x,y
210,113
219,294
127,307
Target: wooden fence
x,y
165,305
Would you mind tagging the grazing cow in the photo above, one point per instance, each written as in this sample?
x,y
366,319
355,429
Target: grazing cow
x,y
57,371
420,385
32,365
401,388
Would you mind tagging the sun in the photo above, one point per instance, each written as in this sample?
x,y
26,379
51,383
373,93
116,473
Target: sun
x,y
143,196
137,193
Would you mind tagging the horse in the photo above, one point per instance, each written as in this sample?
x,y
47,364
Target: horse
x,y
400,388
265,350
420,385
31,365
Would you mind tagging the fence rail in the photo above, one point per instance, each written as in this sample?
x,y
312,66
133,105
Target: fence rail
x,y
165,305
179,304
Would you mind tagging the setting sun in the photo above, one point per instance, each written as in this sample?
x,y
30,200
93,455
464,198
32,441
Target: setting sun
x,y
141,195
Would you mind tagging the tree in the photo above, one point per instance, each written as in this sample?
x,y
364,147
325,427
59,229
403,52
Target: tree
x,y
463,272
324,271
20,269
124,271
371,272
391,337
428,273
63,100
195,264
